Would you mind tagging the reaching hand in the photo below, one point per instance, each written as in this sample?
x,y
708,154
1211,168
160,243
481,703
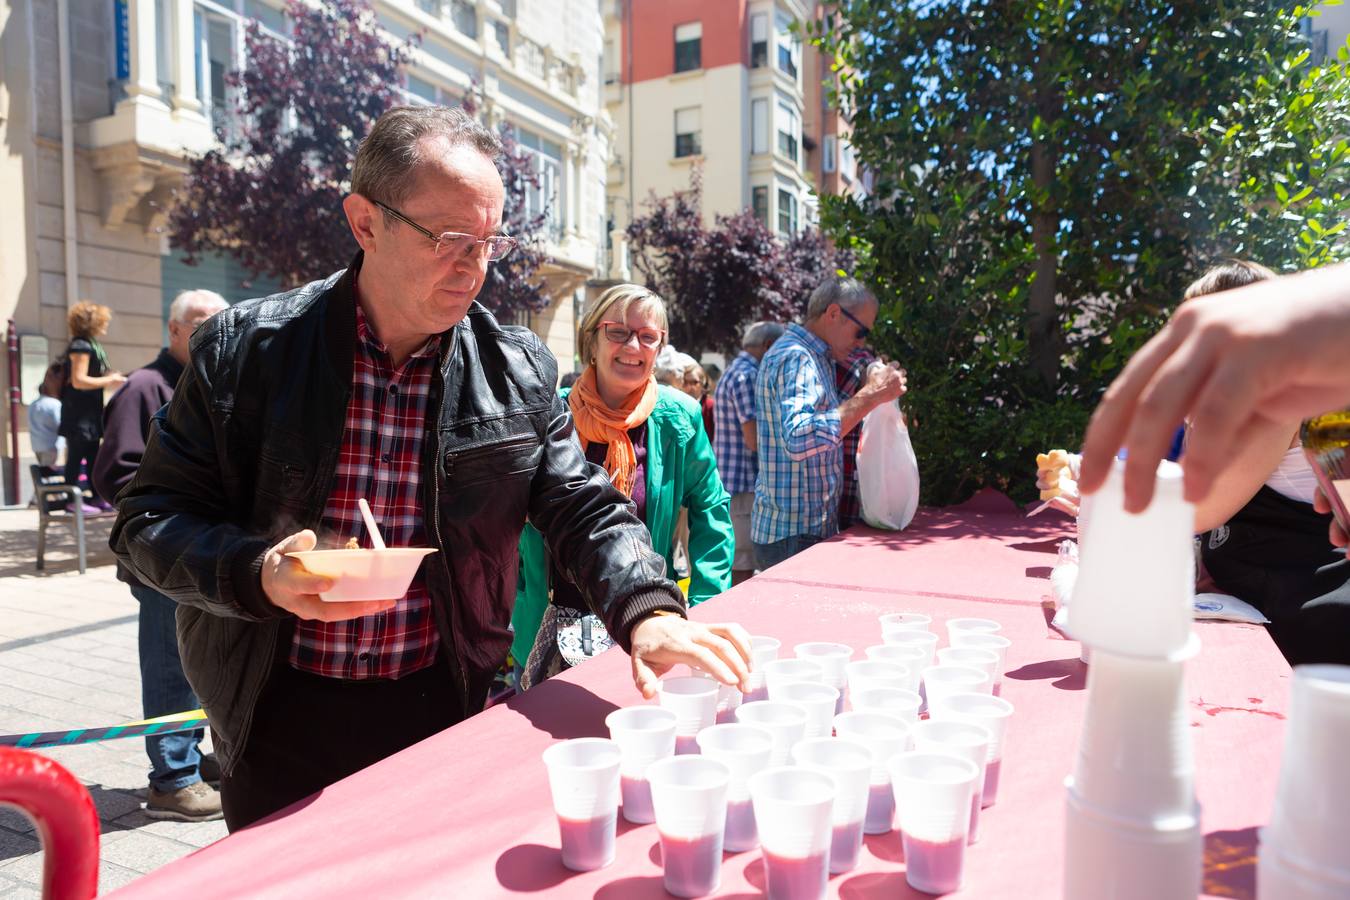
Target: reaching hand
x,y
660,642
886,382
292,587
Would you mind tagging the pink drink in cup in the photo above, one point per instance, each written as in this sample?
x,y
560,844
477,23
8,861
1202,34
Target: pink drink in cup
x,y
793,808
934,793
818,701
763,650
583,777
986,641
991,712
885,736
693,699
849,763
964,739
786,722
940,681
690,796
745,749
832,659
922,640
644,735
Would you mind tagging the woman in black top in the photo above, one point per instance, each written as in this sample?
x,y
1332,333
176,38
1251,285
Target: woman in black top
x,y
88,374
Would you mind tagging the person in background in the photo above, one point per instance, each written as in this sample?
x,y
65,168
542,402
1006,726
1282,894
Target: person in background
x,y
650,442
568,380
179,774
802,420
714,373
849,377
87,376
694,382
44,419
734,440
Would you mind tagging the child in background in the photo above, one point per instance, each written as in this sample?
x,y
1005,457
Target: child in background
x,y
44,419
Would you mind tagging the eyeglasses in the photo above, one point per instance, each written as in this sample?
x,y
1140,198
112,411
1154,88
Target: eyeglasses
x,y
618,333
863,330
457,245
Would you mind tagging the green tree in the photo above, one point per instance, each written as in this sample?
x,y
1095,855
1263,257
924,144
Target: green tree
x,y
1049,175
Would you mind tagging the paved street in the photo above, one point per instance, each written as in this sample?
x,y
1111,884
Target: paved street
x,y
68,660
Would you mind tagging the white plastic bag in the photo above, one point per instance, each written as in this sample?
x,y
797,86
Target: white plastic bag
x,y
888,473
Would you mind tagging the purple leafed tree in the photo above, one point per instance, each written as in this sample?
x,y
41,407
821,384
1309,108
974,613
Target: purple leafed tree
x,y
271,194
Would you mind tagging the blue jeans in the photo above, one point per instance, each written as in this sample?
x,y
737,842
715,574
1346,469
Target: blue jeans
x,y
175,760
767,555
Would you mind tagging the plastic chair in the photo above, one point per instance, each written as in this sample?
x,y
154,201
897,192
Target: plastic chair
x,y
57,502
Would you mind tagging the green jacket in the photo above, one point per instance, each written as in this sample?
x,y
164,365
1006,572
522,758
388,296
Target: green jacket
x,y
681,472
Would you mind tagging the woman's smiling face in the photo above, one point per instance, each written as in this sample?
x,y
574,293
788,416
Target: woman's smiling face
x,y
621,368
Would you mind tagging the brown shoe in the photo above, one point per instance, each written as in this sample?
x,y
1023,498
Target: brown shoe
x,y
195,803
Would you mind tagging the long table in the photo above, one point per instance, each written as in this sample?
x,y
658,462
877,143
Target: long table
x,y
467,813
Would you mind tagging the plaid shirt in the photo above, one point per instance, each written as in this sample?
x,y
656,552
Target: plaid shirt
x,y
381,460
800,458
734,404
849,377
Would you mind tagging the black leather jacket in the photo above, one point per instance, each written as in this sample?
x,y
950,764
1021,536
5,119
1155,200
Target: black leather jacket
x,y
246,452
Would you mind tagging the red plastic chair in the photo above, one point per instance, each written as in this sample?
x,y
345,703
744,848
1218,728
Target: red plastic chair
x,y
66,821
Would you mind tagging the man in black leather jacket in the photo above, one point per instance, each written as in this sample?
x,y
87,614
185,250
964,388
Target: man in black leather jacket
x,y
269,438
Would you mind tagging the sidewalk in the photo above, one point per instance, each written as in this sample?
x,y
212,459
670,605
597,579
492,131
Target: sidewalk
x,y
68,659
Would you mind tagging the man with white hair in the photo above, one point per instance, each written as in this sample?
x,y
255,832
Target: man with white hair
x,y
178,787
734,438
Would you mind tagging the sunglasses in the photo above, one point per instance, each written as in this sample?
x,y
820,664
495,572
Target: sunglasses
x,y
863,330
618,333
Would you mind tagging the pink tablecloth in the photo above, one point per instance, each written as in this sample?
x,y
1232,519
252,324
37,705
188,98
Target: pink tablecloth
x,y
467,812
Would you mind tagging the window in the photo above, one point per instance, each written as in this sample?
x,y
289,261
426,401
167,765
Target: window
x,y
848,162
610,62
789,51
759,41
759,202
759,126
272,19
788,128
787,212
502,33
420,90
688,133
165,28
827,152
544,198
430,7
465,16
213,57
688,47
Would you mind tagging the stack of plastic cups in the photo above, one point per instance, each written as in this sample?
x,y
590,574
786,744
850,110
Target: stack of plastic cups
x,y
924,640
745,749
1303,852
583,776
972,657
1133,820
793,809
781,671
871,673
849,763
690,797
892,701
832,659
933,792
693,699
942,681
966,740
818,701
763,650
989,711
785,722
886,736
644,734
985,641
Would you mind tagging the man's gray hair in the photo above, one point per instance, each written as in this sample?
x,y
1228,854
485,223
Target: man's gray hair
x,y
849,293
387,161
186,300
761,334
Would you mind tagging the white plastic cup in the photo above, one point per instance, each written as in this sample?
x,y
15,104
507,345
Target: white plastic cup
x,y
905,621
971,657
793,807
786,722
892,701
745,749
966,740
911,656
886,736
583,777
872,673
1159,859
781,671
832,659
939,681
933,796
818,701
924,640
849,763
763,650
1283,876
972,623
991,712
690,796
1119,605
1311,815
986,641
728,695
693,699
644,734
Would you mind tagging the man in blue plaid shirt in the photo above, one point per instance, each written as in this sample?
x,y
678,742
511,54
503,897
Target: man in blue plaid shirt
x,y
735,439
802,420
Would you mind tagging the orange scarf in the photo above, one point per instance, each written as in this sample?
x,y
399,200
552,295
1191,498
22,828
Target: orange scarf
x,y
597,423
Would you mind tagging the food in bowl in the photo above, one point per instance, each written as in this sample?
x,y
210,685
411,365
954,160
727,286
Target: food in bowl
x,y
364,574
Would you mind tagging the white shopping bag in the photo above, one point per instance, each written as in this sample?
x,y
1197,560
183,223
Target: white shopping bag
x,y
888,473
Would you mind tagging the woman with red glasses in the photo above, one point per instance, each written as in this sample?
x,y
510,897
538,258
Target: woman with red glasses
x,y
651,441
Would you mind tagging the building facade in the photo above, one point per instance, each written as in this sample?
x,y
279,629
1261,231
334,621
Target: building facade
x,y
102,102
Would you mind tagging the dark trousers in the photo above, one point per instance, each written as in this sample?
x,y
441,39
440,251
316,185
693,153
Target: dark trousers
x,y
175,760
80,449
310,732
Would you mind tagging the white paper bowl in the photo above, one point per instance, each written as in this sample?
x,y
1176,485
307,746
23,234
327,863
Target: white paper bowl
x,y
364,574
